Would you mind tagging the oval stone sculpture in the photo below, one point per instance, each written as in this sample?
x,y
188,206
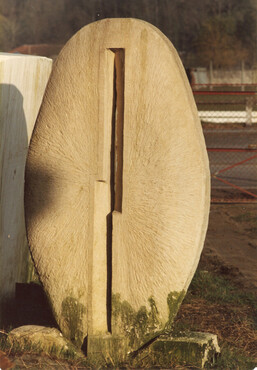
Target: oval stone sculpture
x,y
117,183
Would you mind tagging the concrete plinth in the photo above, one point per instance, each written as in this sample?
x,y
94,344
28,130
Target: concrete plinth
x,y
194,349
107,349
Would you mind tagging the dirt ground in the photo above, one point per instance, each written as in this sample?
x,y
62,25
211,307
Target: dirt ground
x,y
232,240
230,253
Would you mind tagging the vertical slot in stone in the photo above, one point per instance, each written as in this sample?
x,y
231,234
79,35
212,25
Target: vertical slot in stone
x,y
117,129
116,163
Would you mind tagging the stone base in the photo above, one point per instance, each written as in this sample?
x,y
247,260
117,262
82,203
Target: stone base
x,y
42,339
194,348
107,349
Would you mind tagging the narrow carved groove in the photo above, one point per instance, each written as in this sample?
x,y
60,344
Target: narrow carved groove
x,y
109,271
118,127
116,163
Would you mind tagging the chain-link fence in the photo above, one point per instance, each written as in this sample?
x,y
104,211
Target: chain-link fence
x,y
230,130
227,106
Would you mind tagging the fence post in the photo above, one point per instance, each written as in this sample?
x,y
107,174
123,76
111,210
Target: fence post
x,y
254,74
211,75
242,75
249,110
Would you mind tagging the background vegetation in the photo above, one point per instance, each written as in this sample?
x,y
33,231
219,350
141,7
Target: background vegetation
x,y
224,31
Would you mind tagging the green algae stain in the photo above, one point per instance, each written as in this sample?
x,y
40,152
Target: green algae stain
x,y
142,325
154,313
136,325
73,312
174,301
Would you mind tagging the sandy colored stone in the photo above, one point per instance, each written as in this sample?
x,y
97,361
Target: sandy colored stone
x,y
40,338
117,182
22,84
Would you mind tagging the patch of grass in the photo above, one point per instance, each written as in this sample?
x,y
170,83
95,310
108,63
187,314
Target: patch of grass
x,y
214,304
216,289
4,345
232,359
13,350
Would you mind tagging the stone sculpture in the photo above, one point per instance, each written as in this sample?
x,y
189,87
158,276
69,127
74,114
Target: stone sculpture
x,y
23,80
117,184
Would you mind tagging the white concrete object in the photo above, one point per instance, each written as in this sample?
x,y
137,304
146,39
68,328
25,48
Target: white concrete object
x,y
22,84
117,183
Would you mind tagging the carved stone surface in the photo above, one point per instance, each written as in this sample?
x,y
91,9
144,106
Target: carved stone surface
x,y
195,349
22,84
39,338
117,183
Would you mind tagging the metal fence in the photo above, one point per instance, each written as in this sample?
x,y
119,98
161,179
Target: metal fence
x,y
227,106
230,128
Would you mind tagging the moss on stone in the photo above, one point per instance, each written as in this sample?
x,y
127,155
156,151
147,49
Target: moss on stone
x,y
174,301
73,312
153,314
193,349
106,350
142,325
137,326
